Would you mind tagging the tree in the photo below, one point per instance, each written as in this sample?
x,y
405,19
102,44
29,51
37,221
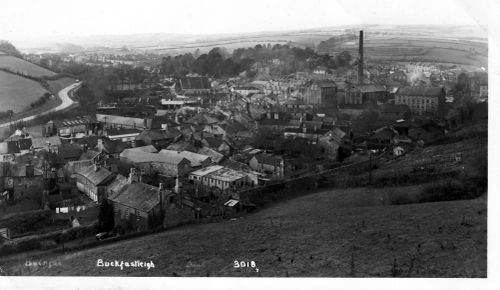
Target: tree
x,y
9,48
463,87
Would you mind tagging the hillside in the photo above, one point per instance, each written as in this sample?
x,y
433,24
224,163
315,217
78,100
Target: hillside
x,y
16,92
22,66
331,233
404,48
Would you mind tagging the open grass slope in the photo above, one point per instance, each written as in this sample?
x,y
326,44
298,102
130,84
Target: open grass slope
x,y
331,233
16,93
22,66
423,49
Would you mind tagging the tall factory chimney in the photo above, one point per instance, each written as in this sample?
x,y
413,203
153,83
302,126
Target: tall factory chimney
x,y
360,61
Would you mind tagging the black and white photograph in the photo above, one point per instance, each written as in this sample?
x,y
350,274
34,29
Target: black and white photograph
x,y
265,140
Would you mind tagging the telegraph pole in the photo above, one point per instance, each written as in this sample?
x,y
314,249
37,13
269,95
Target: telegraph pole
x,y
370,169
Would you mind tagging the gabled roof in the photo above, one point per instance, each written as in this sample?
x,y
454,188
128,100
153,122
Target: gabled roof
x,y
97,177
214,155
89,155
214,142
140,196
114,146
202,119
195,158
68,151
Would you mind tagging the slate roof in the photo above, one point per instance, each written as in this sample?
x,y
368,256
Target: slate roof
x,y
213,142
140,196
268,159
89,155
69,151
115,146
135,156
214,155
158,135
195,158
98,177
420,91
181,146
202,119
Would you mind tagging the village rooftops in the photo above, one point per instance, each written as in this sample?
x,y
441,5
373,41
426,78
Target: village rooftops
x,y
44,141
195,158
220,173
136,156
148,148
139,196
96,176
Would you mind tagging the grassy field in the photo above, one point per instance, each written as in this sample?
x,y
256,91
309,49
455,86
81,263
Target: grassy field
x,y
25,67
60,84
16,92
331,233
418,49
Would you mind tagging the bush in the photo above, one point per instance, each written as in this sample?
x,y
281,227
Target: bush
x,y
451,189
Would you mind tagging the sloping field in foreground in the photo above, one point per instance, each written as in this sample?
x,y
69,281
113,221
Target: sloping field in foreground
x,y
332,233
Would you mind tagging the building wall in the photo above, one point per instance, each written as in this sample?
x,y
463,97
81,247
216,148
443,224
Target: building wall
x,y
420,105
87,187
141,221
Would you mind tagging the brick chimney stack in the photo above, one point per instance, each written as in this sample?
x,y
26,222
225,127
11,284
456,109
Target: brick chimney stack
x,y
360,60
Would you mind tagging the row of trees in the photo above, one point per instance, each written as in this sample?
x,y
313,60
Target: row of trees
x,y
40,101
218,63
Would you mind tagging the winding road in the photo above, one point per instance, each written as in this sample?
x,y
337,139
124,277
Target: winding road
x,y
66,103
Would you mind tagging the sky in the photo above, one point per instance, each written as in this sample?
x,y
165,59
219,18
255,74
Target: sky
x,y
23,20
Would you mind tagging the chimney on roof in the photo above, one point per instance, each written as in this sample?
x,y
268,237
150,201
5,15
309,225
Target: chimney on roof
x,y
133,176
360,60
